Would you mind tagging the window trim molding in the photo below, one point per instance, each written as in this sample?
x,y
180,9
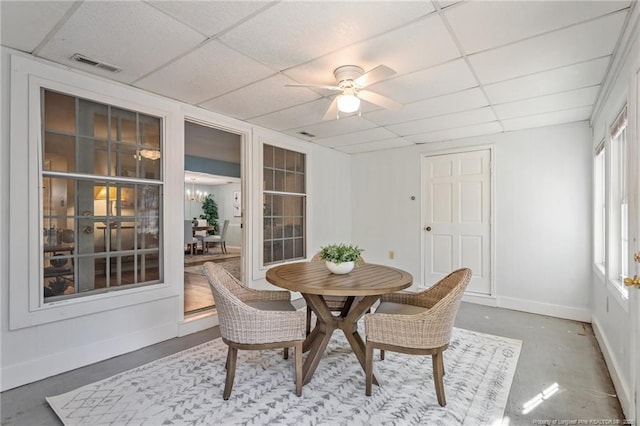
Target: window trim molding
x,y
27,77
280,141
613,196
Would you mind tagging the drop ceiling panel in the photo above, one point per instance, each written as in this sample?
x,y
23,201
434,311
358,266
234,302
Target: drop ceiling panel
x,y
242,103
39,16
332,128
548,119
461,101
575,44
307,30
291,118
209,17
442,79
544,83
368,135
556,102
206,77
130,35
511,21
375,146
459,119
459,133
544,61
405,50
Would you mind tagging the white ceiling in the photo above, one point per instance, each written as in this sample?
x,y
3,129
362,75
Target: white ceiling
x,y
464,68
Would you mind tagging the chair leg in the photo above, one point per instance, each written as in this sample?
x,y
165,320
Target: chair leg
x,y
298,368
308,320
285,353
368,368
438,373
231,372
382,354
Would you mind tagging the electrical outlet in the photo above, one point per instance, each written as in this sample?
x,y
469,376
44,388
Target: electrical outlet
x,y
392,254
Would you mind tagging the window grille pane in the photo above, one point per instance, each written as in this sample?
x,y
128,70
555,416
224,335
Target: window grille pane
x,y
284,205
98,233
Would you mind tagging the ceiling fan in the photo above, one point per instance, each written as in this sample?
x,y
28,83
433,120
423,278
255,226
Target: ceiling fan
x,y
351,81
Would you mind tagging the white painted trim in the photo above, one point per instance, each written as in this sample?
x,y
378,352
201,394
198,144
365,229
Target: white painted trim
x,y
213,120
621,385
27,76
260,137
541,308
42,367
198,322
480,299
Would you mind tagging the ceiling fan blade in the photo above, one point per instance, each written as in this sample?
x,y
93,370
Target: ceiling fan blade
x,y
319,86
332,111
380,100
375,75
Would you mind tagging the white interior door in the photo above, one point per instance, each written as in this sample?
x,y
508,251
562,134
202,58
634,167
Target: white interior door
x,y
457,217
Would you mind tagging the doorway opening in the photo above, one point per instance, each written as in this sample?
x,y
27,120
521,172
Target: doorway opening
x,y
212,210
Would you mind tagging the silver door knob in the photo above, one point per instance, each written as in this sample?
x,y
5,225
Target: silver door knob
x,y
427,228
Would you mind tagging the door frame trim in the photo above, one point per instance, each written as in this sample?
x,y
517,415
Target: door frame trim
x,y
192,323
461,150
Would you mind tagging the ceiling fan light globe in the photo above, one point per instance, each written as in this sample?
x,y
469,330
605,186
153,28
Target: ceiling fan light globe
x,y
348,103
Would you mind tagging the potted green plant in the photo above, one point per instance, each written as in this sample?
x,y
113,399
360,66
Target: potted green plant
x,y
340,258
210,212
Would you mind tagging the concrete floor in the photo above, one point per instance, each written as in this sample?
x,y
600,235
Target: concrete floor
x,y
553,351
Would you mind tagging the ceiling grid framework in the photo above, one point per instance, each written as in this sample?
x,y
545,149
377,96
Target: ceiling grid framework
x,y
463,68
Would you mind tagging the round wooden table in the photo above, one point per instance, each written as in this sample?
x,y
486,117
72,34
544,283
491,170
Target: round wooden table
x,y
363,287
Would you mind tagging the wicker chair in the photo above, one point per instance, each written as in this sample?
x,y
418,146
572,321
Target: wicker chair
x,y
254,320
416,323
335,303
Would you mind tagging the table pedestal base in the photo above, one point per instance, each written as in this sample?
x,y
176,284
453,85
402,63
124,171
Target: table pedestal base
x,y
317,341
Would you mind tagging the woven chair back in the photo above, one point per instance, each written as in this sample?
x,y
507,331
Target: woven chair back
x,y
449,291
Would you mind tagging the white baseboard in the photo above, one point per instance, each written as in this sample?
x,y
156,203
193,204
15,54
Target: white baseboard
x,y
549,309
60,362
196,323
621,386
480,299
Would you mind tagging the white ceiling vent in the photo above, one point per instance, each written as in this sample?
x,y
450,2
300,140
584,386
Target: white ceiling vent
x,y
83,59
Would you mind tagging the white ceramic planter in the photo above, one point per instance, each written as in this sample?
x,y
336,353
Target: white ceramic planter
x,y
340,268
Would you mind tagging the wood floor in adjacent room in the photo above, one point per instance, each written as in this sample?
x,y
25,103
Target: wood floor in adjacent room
x,y
553,351
197,293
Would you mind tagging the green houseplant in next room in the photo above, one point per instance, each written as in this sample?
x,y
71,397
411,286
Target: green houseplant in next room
x,y
210,212
340,258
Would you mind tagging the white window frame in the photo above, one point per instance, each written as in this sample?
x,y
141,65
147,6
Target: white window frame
x,y
617,232
600,209
262,137
27,78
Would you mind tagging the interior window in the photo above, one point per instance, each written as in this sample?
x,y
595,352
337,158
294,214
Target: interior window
x,y
101,197
284,205
618,264
600,208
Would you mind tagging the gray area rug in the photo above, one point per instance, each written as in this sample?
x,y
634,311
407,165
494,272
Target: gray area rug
x,y
186,389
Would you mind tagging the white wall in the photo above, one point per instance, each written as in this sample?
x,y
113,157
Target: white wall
x,y
542,214
223,194
80,336
612,314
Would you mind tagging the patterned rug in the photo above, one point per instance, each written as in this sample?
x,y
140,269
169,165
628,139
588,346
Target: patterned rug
x,y
186,389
